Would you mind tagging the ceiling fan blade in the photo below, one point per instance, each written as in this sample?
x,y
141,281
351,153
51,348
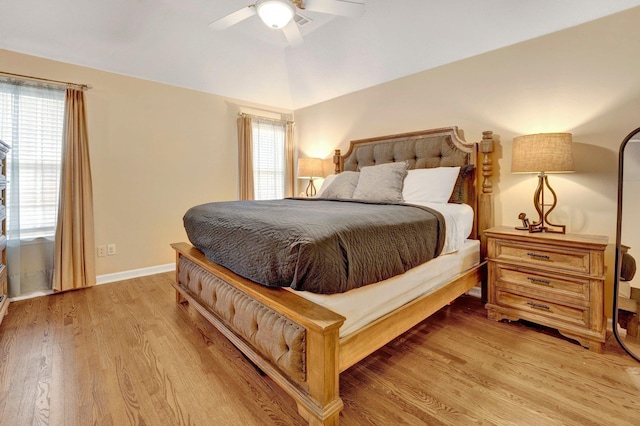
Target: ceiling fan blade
x,y
293,34
335,7
233,18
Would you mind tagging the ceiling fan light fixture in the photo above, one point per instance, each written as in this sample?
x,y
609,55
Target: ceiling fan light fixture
x,y
275,13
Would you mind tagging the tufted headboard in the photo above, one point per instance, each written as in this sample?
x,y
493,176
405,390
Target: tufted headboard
x,y
424,149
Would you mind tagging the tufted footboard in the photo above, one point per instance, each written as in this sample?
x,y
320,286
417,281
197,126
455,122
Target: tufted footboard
x,y
281,341
292,340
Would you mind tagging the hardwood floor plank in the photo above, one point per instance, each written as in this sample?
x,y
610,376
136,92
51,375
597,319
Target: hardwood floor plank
x,y
126,353
28,361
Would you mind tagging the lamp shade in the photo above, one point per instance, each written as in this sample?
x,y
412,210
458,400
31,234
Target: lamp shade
x,y
275,13
543,152
310,168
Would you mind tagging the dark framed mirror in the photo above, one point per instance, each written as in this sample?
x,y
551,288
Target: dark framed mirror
x,y
626,288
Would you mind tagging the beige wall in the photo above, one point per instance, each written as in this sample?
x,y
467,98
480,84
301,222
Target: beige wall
x,y
156,150
584,80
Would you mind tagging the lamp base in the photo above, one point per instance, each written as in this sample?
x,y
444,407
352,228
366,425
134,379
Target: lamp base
x,y
311,189
559,229
543,224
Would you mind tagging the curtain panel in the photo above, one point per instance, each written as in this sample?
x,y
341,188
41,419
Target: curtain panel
x,y
74,242
289,156
245,157
31,123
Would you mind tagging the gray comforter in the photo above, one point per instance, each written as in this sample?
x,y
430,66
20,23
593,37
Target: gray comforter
x,y
322,246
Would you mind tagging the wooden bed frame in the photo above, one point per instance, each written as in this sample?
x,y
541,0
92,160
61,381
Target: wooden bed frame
x,y
314,385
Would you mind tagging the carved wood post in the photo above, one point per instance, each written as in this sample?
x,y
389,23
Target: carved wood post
x,y
485,199
337,160
486,147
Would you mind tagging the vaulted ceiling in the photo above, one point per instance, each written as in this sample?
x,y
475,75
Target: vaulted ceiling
x,y
169,41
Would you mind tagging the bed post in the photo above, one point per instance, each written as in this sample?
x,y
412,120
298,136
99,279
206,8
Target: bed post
x,y
324,406
485,197
180,299
337,161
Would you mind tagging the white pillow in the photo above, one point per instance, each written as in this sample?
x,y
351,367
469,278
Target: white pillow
x,y
325,185
433,185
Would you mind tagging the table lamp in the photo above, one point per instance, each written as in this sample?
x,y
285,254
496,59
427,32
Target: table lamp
x,y
310,168
543,153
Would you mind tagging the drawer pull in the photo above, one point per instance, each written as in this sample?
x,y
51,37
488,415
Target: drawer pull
x,y
538,306
539,281
538,256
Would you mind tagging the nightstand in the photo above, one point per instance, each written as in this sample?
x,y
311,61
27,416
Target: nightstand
x,y
556,280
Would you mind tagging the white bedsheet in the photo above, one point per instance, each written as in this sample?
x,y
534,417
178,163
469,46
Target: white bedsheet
x,y
365,304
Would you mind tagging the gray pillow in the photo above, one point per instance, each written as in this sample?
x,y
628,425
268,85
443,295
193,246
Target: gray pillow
x,y
342,186
382,182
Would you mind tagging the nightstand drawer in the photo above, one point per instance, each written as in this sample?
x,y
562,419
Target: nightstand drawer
x,y
568,314
541,284
565,259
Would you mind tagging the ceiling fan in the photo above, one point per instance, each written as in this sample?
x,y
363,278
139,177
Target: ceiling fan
x,y
280,14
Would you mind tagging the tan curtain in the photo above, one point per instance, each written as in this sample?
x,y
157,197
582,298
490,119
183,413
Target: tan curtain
x,y
74,264
245,157
289,179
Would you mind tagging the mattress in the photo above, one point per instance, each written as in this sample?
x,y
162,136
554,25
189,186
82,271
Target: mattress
x,y
366,304
458,220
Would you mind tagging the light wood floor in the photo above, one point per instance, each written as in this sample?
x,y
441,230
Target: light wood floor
x,y
126,353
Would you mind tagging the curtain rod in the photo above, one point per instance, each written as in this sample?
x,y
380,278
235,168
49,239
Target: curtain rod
x,y
243,114
46,80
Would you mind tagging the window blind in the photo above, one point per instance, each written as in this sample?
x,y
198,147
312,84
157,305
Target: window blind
x,y
31,122
268,159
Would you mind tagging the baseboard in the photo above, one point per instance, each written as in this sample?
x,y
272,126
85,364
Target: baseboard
x,y
109,278
31,295
134,273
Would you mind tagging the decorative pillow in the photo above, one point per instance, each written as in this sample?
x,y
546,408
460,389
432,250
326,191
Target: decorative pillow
x,y
458,189
325,185
382,182
342,186
433,185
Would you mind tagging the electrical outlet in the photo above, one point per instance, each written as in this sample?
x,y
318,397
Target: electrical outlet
x,y
102,251
111,249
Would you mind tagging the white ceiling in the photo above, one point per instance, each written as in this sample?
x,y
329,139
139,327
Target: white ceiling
x,y
168,41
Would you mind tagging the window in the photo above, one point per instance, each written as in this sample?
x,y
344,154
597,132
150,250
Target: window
x,y
31,122
269,165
